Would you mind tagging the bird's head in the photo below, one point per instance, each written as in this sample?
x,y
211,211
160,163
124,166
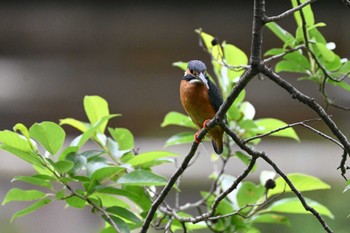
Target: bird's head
x,y
196,72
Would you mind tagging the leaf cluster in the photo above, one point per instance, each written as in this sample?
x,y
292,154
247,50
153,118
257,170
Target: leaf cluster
x,y
112,178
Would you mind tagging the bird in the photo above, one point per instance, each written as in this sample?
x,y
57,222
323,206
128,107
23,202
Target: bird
x,y
201,99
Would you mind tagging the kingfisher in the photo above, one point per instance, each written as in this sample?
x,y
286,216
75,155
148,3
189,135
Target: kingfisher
x,y
201,99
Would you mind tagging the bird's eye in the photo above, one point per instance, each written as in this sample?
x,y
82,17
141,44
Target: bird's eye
x,y
191,71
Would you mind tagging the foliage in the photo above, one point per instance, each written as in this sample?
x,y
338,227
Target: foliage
x,y
249,204
112,179
118,183
308,53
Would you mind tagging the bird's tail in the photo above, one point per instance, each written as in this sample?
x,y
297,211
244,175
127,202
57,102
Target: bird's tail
x,y
218,146
217,135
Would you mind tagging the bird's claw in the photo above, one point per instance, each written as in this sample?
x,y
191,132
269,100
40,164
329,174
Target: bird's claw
x,y
196,138
205,127
205,123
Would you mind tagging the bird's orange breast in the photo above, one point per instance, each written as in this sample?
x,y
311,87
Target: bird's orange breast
x,y
196,102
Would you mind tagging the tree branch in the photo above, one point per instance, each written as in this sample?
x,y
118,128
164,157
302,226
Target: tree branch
x,y
288,12
256,154
296,94
297,193
302,123
171,182
282,54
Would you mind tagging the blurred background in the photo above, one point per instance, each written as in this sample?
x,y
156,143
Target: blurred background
x,y
53,53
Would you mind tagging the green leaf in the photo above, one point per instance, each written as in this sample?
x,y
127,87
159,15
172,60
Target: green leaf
x,y
271,218
347,187
213,48
35,180
35,206
143,158
267,125
248,110
316,35
133,193
326,53
106,173
342,84
23,129
125,214
301,182
288,66
142,178
225,182
27,156
157,162
249,193
245,159
76,202
224,207
123,137
93,165
49,134
79,162
180,138
233,113
96,108
280,32
16,194
307,11
234,57
122,226
294,206
68,151
176,118
92,131
274,51
110,200
12,139
180,64
64,166
298,58
79,125
345,68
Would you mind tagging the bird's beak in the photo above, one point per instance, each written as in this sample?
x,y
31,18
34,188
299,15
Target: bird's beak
x,y
201,77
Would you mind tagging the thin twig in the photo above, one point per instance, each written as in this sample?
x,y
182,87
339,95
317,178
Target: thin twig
x,y
297,193
284,53
91,203
302,123
217,200
296,94
256,154
171,182
288,12
210,193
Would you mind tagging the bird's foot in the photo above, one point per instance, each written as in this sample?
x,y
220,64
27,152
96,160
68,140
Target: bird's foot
x,y
205,127
196,137
205,123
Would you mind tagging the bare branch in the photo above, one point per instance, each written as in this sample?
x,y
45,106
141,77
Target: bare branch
x,y
297,193
282,54
218,199
288,12
93,205
296,94
256,154
302,123
171,182
210,193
